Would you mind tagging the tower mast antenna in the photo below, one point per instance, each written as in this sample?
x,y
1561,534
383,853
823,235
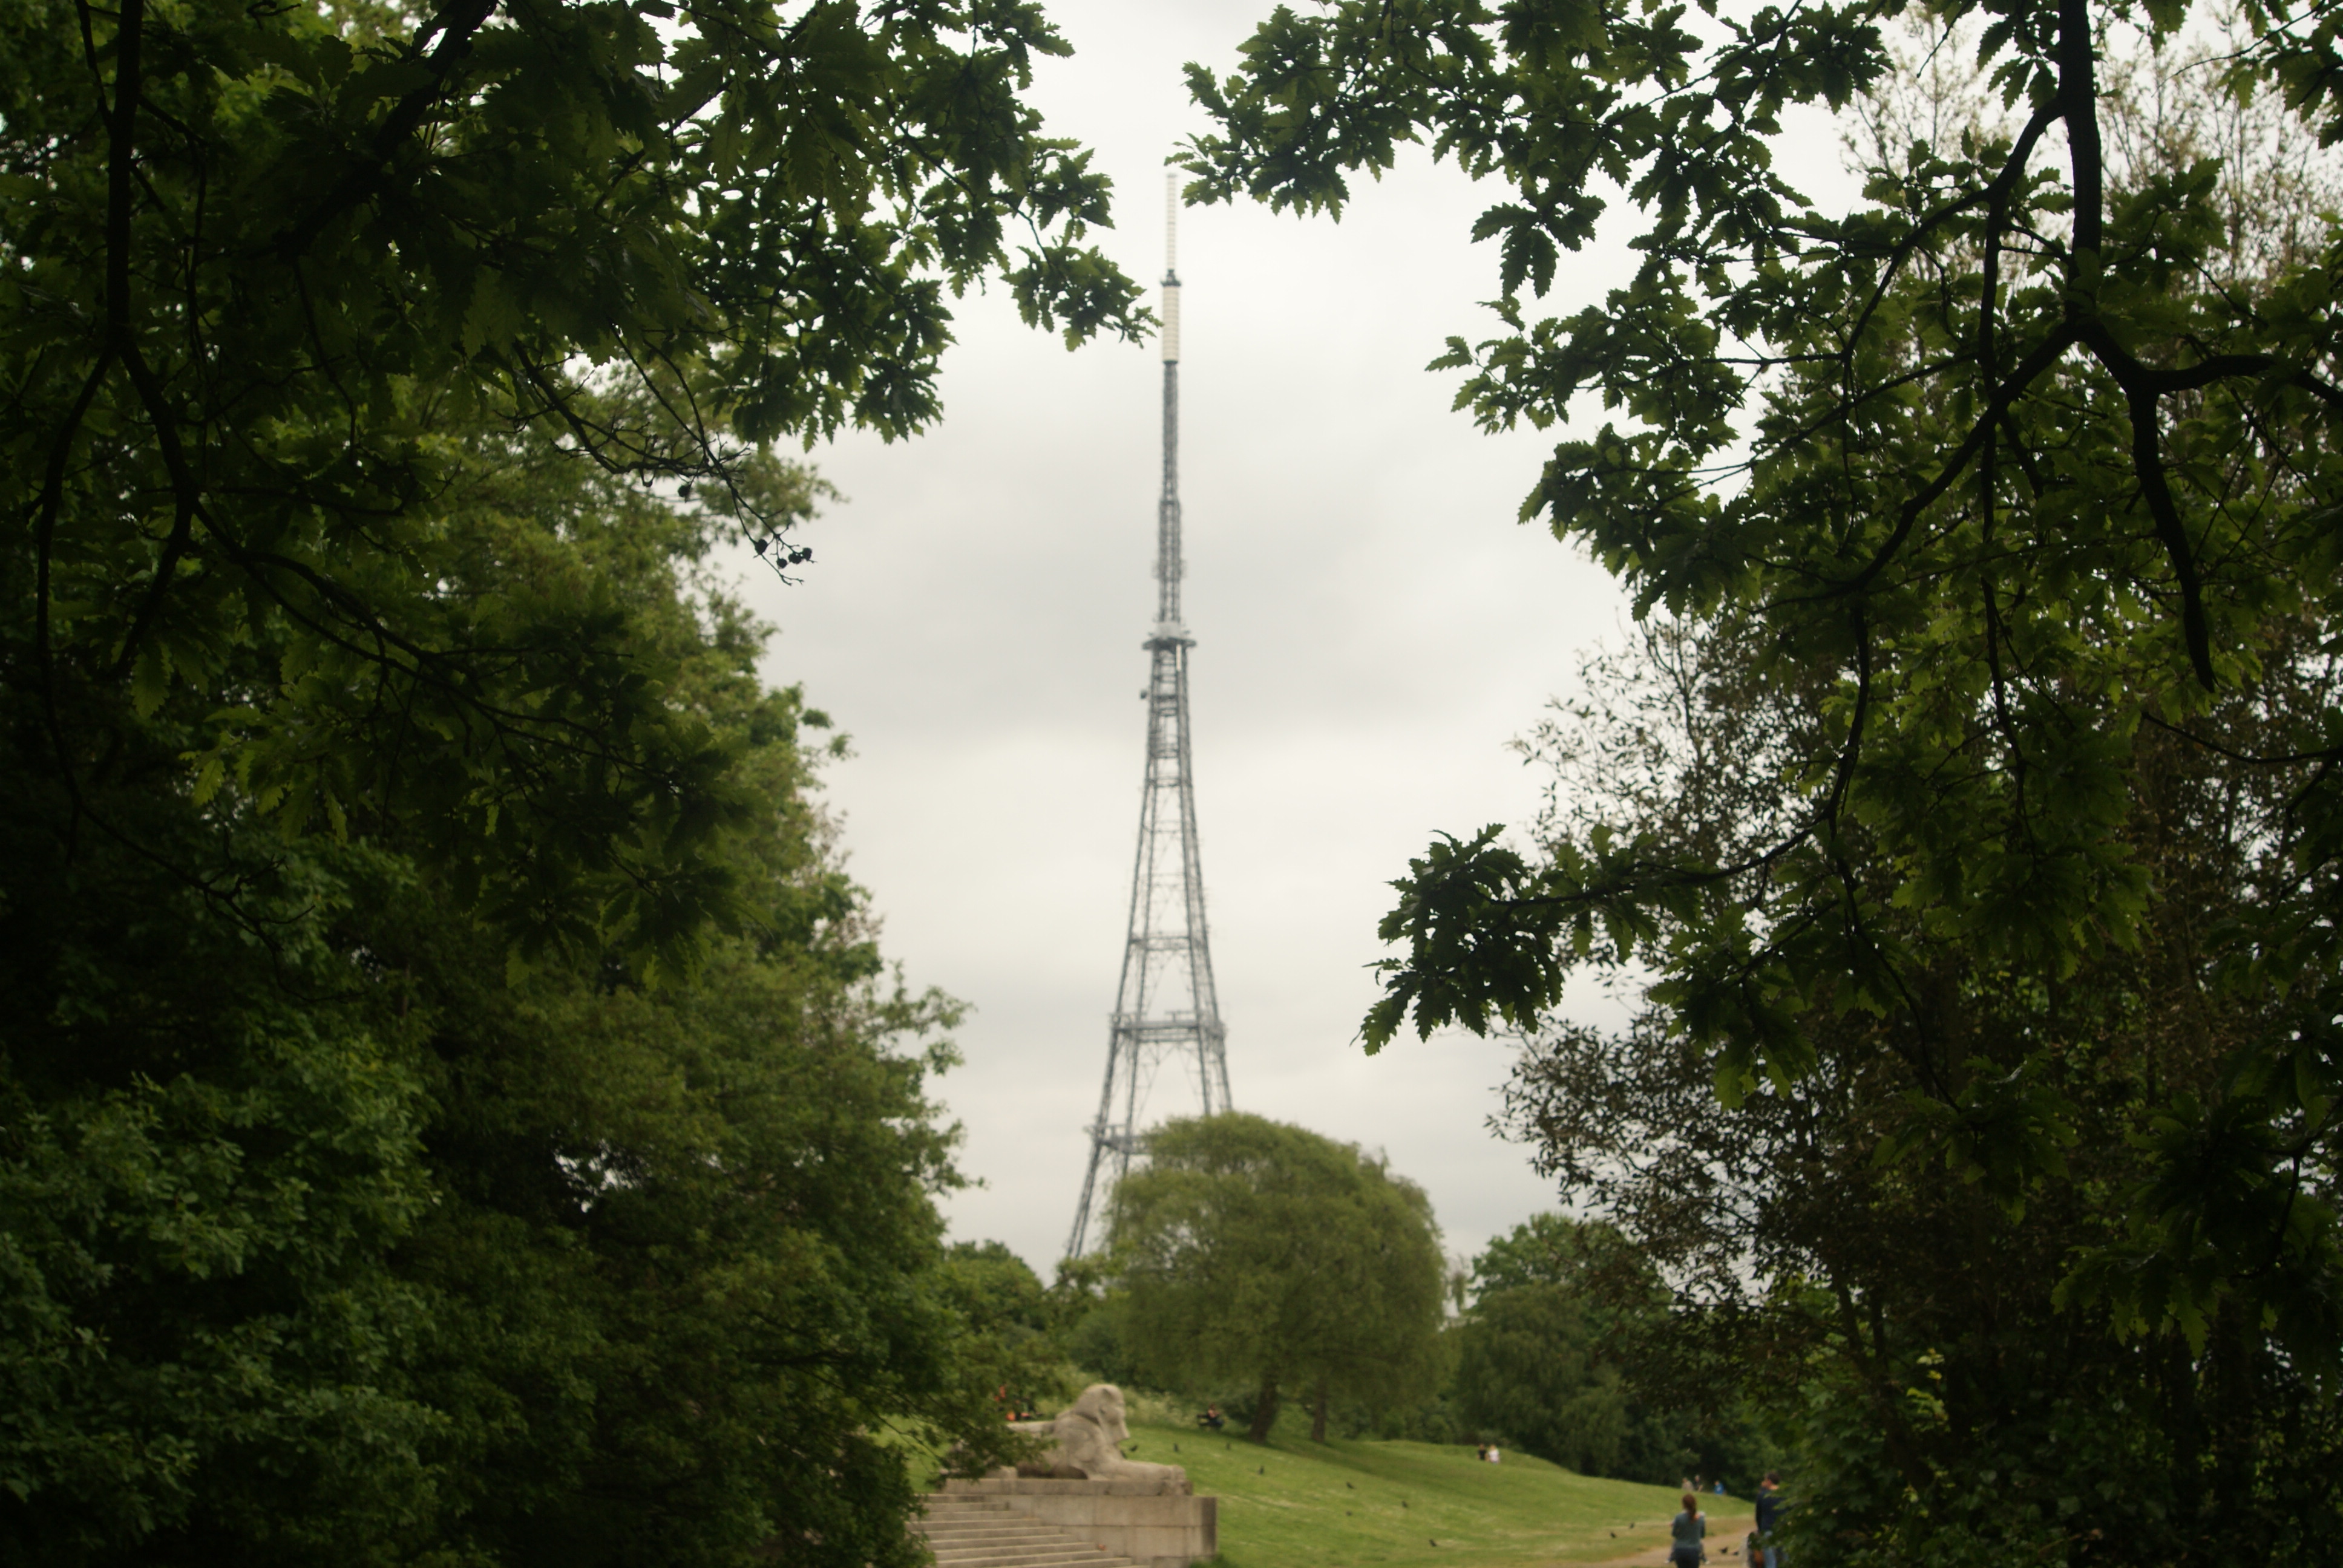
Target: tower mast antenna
x,y
1166,1007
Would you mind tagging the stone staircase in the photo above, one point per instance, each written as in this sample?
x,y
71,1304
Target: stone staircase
x,y
982,1532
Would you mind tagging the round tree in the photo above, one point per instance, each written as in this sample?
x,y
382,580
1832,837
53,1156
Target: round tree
x,y
1255,1249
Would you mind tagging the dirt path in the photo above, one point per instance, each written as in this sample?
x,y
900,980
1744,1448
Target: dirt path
x,y
1728,1528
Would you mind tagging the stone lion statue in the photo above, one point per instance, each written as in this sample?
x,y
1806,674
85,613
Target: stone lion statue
x,y
1089,1434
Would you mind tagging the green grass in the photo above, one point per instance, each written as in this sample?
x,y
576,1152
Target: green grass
x,y
1295,1503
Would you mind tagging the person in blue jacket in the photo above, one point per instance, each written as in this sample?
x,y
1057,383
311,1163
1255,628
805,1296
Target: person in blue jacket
x,y
1769,1515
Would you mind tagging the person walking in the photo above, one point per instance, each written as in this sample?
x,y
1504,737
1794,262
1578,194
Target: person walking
x,y
1769,1515
1688,1530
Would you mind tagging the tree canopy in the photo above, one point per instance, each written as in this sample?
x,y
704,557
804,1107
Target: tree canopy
x,y
1531,1361
1250,1248
2017,480
1554,1348
1917,1336
334,1233
452,1106
277,276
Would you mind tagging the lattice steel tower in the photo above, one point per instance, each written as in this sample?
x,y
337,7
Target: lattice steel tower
x,y
1165,1008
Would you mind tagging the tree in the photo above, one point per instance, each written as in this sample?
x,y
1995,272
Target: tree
x,y
1907,1322
1251,1249
1531,1362
1561,1315
451,1108
1017,1323
2021,474
277,276
332,1232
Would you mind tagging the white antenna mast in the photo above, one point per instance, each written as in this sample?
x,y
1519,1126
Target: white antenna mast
x,y
1172,270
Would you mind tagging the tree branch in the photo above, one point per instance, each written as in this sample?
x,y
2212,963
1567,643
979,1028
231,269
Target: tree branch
x,y
2046,354
455,28
2078,105
1996,219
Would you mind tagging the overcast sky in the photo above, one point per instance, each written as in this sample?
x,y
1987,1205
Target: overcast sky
x,y
1373,627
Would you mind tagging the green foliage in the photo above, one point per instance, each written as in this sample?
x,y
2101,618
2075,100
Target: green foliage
x,y
1537,1363
2017,483
334,1232
1013,1324
1882,1299
1543,1250
280,278
995,1285
1530,1366
206,1155
451,1108
1562,1315
1249,1248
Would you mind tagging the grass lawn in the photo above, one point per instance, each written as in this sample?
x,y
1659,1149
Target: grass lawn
x,y
1348,1504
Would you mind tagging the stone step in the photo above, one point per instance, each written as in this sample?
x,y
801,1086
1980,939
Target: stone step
x,y
1034,1543
989,1511
1043,1539
1005,1541
964,1529
1063,1549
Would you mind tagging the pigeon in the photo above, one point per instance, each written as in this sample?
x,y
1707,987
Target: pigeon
x,y
1435,1542
1349,1484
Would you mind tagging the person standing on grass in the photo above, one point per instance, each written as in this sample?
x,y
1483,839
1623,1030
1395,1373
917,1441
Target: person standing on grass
x,y
1689,1528
1769,1515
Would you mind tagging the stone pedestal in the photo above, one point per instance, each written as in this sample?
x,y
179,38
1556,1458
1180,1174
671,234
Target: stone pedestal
x,y
1133,1519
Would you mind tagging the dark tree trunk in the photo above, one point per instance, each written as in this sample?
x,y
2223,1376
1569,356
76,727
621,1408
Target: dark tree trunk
x,y
1264,1411
1317,1413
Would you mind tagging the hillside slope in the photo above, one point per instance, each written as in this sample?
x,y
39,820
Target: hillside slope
x,y
1357,1505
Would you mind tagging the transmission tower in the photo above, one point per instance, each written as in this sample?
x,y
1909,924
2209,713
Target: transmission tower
x,y
1165,1008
